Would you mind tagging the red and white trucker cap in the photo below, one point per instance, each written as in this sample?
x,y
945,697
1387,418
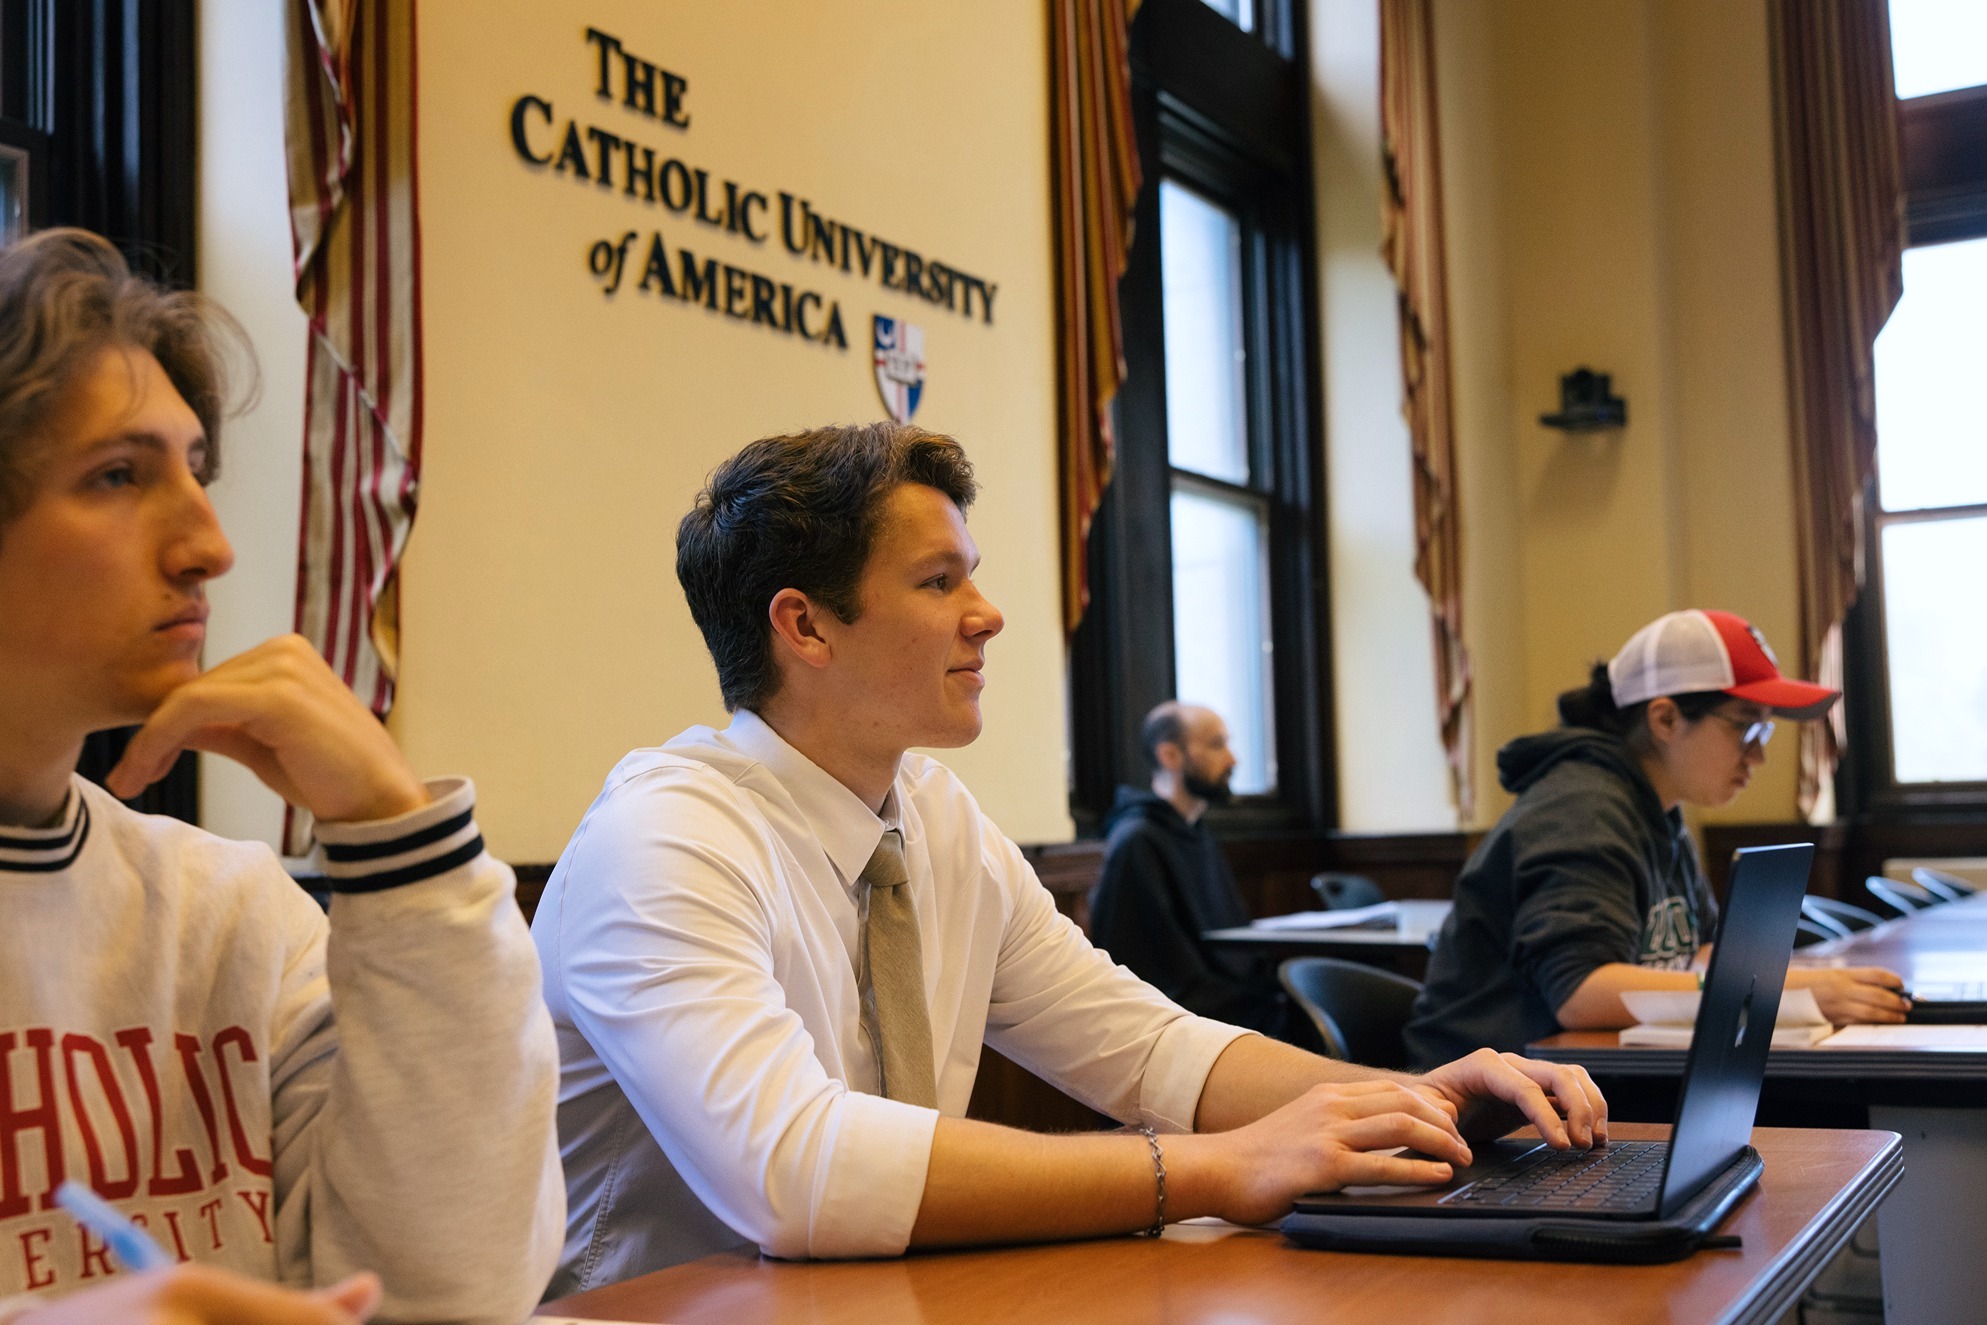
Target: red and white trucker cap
x,y
1687,652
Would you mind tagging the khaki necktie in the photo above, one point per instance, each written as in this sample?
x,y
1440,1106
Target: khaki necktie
x,y
893,980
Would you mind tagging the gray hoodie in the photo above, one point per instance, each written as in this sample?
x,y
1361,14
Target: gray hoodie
x,y
1585,869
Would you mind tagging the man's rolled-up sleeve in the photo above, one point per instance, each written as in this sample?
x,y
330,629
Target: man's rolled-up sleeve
x,y
669,974
1063,1010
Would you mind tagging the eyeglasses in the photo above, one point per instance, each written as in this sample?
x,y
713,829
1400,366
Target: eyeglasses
x,y
1750,733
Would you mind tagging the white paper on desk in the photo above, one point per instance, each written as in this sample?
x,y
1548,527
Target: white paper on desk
x,y
1678,1007
1358,915
1645,1036
575,1320
1908,1037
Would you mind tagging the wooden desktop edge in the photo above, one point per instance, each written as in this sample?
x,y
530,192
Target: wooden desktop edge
x,y
1774,1292
1602,1051
1772,1288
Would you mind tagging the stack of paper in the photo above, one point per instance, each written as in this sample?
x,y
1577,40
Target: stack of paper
x,y
1910,1037
1380,915
1667,1017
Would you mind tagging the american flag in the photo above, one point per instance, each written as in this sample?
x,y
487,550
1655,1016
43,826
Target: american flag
x,y
355,227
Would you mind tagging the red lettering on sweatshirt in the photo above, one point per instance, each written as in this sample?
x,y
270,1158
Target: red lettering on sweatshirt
x,y
137,1042
33,1270
196,1083
211,1212
258,1202
16,1120
178,1242
245,1046
93,1253
99,1057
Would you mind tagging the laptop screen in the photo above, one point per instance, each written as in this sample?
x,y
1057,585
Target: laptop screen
x,y
1727,1060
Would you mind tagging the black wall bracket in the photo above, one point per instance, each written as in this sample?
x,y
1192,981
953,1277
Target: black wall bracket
x,y
1587,403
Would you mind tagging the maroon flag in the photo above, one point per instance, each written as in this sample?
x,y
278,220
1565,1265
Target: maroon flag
x,y
355,226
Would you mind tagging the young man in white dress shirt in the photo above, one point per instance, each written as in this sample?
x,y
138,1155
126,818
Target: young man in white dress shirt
x,y
724,937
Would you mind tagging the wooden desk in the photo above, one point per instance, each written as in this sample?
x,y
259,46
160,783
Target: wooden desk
x,y
1935,1098
1945,942
1818,1186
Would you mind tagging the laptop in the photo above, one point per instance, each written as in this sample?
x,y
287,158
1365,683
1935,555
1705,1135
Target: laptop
x,y
1637,1202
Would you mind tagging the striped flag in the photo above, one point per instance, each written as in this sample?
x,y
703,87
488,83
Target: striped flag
x,y
355,227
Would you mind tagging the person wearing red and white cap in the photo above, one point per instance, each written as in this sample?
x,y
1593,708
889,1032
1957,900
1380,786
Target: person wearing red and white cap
x,y
1590,885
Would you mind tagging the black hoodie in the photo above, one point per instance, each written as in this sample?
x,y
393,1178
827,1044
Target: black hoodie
x,y
1585,869
1164,882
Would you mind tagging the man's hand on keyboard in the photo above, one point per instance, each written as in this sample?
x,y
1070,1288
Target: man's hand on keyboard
x,y
1331,1136
1494,1093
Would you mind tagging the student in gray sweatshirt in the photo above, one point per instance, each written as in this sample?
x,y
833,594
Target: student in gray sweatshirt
x,y
178,1029
1590,886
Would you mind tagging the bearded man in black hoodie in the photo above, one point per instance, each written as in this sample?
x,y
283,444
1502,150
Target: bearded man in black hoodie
x,y
1165,880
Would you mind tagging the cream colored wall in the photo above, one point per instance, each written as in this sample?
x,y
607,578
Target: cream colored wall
x,y
567,432
1494,549
1610,191
244,262
1393,774
1608,165
1730,387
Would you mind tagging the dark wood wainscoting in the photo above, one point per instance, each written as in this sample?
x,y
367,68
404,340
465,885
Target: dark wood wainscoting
x,y
1274,874
531,881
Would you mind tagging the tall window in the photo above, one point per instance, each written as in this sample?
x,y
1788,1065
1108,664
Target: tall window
x,y
1937,46
1242,13
1921,689
1222,644
1203,556
1931,519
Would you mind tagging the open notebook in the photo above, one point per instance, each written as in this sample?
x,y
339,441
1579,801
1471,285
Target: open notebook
x,y
1665,1018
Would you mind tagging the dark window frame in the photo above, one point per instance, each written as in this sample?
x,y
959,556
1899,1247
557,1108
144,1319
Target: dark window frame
x,y
1943,140
1223,112
1274,26
30,146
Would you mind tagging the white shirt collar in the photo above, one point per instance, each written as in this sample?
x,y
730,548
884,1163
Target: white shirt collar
x,y
847,829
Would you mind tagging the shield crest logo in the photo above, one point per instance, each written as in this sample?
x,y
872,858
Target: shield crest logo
x,y
900,366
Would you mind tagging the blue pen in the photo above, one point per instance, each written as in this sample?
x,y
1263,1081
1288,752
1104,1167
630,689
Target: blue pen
x,y
134,1249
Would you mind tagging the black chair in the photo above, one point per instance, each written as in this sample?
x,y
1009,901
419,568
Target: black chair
x,y
317,887
1840,919
1900,896
1359,1011
1346,892
1949,886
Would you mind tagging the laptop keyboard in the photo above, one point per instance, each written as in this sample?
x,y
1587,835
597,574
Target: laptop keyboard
x,y
1622,1177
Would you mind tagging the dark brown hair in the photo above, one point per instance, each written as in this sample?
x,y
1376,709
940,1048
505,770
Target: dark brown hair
x,y
1592,706
1166,724
797,512
66,296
